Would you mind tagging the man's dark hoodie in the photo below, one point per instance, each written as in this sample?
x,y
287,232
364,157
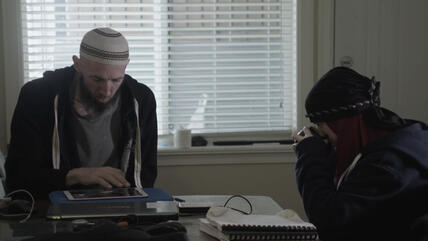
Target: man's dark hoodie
x,y
42,148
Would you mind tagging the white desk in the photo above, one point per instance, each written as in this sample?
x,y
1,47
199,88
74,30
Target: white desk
x,y
260,204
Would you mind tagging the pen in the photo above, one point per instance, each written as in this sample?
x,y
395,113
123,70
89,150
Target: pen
x,y
179,200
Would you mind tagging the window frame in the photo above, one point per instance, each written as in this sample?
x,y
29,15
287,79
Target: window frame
x,y
314,56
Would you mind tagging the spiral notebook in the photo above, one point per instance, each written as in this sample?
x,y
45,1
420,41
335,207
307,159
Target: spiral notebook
x,y
227,225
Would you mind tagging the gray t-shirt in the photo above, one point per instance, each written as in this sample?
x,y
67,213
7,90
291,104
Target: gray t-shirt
x,y
98,139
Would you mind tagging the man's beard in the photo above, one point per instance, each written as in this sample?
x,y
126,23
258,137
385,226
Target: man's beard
x,y
91,104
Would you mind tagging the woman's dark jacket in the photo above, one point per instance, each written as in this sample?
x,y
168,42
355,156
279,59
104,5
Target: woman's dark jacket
x,y
381,197
30,158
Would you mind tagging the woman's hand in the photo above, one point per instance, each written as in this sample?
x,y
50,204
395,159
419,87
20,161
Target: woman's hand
x,y
306,132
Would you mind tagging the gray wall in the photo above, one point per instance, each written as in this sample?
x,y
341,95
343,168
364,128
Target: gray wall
x,y
388,40
228,174
274,180
3,127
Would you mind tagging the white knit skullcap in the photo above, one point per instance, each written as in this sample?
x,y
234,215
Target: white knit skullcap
x,y
105,46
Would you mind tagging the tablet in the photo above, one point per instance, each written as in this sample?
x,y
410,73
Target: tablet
x,y
91,194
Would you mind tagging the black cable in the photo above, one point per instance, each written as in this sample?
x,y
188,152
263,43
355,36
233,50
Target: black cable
x,y
240,196
27,214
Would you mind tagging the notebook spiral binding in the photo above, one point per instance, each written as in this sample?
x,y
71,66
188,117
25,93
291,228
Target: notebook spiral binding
x,y
250,232
229,225
270,236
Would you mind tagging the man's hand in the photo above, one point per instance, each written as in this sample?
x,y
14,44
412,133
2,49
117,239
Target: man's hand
x,y
106,177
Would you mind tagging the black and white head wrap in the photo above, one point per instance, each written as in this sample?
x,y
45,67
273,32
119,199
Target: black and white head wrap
x,y
342,93
105,46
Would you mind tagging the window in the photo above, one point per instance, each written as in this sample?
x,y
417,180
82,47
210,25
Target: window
x,y
214,65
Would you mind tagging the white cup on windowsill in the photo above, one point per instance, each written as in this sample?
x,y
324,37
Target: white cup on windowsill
x,y
183,138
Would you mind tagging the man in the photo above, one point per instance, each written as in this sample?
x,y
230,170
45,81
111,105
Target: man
x,y
88,125
369,181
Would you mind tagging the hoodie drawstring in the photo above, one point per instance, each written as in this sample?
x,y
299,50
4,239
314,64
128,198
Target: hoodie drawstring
x,y
55,138
137,156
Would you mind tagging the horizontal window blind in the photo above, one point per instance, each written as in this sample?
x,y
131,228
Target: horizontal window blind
x,y
214,65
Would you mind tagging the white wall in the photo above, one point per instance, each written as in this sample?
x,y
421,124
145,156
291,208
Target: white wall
x,y
10,58
245,173
388,40
3,126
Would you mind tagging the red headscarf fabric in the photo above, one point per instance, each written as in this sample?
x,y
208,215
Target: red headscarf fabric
x,y
352,135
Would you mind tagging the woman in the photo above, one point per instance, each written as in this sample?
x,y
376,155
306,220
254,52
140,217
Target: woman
x,y
368,180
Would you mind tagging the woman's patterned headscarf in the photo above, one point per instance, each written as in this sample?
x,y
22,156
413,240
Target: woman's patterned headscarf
x,y
342,93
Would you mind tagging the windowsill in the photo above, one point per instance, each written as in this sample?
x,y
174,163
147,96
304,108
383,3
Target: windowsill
x,y
256,148
227,155
272,144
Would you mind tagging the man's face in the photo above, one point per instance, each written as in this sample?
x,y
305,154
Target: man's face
x,y
101,80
